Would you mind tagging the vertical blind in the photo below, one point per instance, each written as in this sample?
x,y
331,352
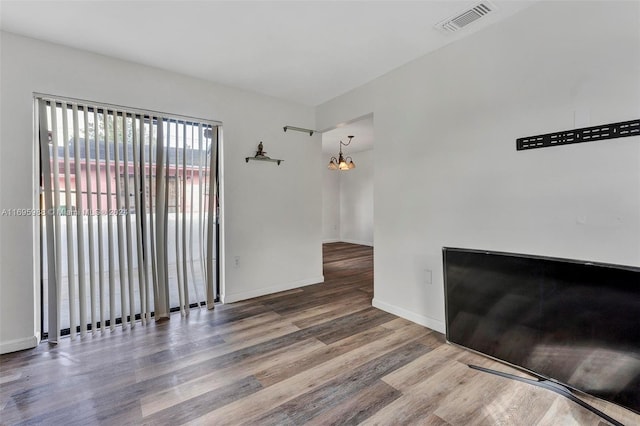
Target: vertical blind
x,y
129,207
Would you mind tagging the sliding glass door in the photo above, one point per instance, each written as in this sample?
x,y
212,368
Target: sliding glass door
x,y
129,213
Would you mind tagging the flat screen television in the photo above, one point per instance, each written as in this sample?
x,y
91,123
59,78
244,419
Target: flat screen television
x,y
571,322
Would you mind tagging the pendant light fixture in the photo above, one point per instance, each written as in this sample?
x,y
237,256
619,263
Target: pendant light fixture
x,y
342,163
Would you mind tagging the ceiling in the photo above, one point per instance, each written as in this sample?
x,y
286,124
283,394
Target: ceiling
x,y
302,51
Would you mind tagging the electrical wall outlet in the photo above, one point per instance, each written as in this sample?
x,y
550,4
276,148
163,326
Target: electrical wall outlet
x,y
236,262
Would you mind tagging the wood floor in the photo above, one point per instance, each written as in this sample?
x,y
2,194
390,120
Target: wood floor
x,y
318,355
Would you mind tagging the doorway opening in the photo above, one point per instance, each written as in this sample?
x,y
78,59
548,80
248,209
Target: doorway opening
x,y
347,195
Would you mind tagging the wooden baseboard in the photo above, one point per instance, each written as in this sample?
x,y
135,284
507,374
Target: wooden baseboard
x,y
236,297
19,344
431,323
362,243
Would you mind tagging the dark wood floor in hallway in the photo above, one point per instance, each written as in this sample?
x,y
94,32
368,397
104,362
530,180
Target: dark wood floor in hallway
x,y
315,355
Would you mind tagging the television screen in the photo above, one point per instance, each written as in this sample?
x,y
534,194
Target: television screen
x,y
577,323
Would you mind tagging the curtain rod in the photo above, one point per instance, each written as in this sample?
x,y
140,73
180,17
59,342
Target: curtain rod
x,y
120,108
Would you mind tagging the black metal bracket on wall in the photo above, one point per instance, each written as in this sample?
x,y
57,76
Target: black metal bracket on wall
x,y
585,134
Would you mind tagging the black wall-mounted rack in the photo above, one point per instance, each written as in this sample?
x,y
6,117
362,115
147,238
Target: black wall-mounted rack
x,y
585,134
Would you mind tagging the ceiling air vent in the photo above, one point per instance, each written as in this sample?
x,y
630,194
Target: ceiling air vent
x,y
464,18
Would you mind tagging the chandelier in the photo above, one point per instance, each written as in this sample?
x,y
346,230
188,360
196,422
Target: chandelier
x,y
342,163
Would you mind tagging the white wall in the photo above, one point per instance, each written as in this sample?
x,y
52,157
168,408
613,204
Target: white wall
x,y
272,214
356,200
330,205
446,169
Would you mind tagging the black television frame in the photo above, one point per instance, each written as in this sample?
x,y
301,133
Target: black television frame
x,y
541,380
